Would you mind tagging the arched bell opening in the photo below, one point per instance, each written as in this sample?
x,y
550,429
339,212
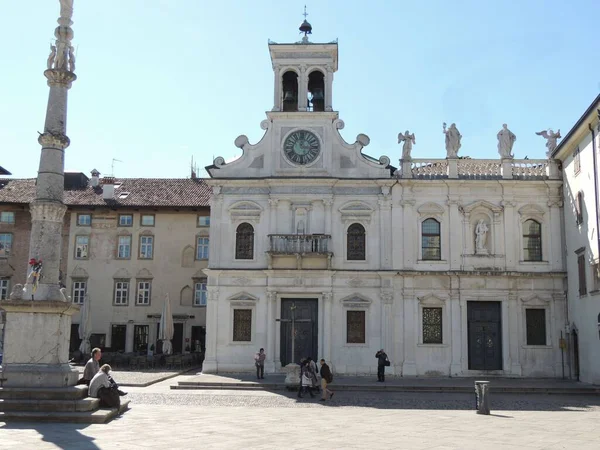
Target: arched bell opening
x,y
289,83
316,91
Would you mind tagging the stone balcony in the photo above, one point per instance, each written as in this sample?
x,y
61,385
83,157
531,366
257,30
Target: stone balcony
x,y
299,251
480,169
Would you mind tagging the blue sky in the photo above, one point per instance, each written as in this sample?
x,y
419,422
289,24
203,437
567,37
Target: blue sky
x,y
160,81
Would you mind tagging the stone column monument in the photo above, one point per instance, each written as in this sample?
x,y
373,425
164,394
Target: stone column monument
x,y
38,317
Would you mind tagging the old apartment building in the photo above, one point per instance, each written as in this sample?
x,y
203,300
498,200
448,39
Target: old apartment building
x,y
127,244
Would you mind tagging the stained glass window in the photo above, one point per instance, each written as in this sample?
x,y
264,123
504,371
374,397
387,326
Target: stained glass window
x,y
536,326
356,242
244,242
532,240
430,240
432,326
242,325
355,323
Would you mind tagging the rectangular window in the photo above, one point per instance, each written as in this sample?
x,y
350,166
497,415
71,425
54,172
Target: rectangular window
x,y
125,220
4,286
143,292
242,325
82,244
84,220
7,217
355,326
200,292
579,208
596,276
432,326
581,266
121,292
140,338
203,221
536,326
147,220
202,248
146,247
576,161
5,244
124,249
79,290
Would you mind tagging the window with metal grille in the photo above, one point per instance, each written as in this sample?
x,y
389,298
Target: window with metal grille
x,y
78,293
140,338
430,240
82,244
143,292
244,241
535,320
124,249
4,286
532,240
200,292
121,292
202,244
581,269
356,245
432,326
355,326
242,325
146,247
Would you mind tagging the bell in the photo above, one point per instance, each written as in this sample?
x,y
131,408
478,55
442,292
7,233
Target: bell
x,y
288,97
318,94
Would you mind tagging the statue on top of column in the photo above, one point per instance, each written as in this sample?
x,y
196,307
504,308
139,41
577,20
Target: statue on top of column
x,y
551,140
453,138
506,140
409,141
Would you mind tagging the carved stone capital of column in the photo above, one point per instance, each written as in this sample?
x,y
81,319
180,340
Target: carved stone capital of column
x,y
509,203
327,296
387,297
47,211
213,294
271,296
273,202
327,202
60,77
54,140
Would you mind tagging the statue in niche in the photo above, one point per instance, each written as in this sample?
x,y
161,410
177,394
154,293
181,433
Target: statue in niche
x,y
52,56
481,231
409,141
453,138
506,140
551,138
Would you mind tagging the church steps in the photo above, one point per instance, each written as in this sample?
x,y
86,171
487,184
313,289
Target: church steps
x,y
11,405
66,393
97,416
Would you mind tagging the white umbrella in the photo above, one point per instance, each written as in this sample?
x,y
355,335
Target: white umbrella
x,y
166,329
85,327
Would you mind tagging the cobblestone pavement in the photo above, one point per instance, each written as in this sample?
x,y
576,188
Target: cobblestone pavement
x,y
175,419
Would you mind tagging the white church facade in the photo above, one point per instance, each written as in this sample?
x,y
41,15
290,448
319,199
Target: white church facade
x,y
320,250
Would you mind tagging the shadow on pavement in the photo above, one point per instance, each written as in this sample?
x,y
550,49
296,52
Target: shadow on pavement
x,y
63,435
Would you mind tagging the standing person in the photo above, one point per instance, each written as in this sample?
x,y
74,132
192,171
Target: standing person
x,y
314,371
102,386
306,379
326,378
91,367
382,359
259,362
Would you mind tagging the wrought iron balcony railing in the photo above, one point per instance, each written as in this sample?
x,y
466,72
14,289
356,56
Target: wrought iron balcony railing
x,y
299,243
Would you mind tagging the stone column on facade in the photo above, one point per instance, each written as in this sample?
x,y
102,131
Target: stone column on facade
x,y
216,211
327,324
211,363
455,245
497,235
271,303
385,228
277,358
456,329
38,327
328,88
514,334
387,329
510,231
277,88
558,326
302,89
409,367
555,236
409,227
273,202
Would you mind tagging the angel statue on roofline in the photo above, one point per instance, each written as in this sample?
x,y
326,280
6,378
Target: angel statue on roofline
x,y
409,141
551,138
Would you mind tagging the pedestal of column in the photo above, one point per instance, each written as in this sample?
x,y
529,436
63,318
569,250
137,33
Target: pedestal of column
x,y
36,343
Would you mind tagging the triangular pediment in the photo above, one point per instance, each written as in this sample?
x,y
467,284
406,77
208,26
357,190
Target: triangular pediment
x,y
355,207
243,299
536,300
356,301
482,204
431,299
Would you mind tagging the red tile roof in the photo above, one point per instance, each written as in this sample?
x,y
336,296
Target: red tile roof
x,y
143,192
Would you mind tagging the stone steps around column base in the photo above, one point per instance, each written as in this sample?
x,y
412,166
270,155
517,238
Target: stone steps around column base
x,y
98,416
86,404
60,393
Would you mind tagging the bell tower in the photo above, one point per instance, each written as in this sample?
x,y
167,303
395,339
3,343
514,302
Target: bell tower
x,y
303,73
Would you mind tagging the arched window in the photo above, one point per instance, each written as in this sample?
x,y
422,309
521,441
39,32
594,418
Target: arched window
x,y
316,91
244,241
430,240
356,243
532,240
289,85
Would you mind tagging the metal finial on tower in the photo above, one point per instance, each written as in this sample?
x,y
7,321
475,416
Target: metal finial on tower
x,y
305,27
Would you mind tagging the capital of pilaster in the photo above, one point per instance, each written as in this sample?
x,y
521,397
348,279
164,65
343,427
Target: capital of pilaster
x,y
387,297
47,211
508,203
60,77
54,140
273,202
327,202
213,293
327,296
271,296
408,202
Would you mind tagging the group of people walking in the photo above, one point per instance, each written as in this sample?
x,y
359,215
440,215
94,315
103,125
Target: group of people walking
x,y
100,384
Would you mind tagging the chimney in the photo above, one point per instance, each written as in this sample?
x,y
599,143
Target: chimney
x,y
108,188
95,180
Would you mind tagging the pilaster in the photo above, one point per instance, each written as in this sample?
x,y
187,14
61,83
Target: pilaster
x,y
514,318
327,332
328,88
270,348
385,231
302,89
210,364
456,330
510,228
454,243
409,367
387,301
409,227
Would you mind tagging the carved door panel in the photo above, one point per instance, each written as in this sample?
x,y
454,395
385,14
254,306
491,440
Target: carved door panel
x,y
306,332
485,336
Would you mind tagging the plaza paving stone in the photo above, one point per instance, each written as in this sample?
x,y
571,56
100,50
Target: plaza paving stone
x,y
163,418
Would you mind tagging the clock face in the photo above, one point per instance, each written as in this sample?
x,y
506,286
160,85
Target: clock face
x,y
302,147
